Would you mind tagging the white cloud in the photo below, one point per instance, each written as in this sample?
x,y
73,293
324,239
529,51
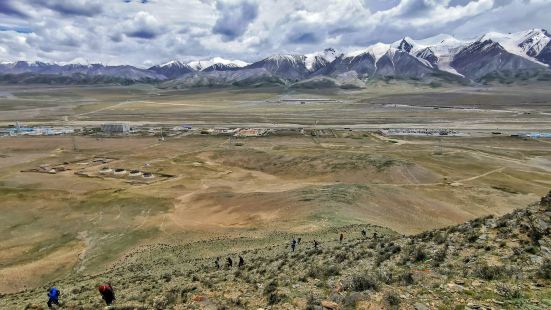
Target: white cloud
x,y
120,32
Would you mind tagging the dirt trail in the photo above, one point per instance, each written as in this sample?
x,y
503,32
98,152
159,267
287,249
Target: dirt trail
x,y
481,175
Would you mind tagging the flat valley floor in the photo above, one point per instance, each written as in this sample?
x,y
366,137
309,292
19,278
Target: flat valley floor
x,y
221,197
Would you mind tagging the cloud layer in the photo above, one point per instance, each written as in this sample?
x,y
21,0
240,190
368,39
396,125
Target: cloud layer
x,y
145,32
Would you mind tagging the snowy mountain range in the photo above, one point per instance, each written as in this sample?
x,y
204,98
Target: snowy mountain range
x,y
442,56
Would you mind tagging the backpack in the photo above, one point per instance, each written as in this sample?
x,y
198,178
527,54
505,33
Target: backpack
x,y
104,289
53,293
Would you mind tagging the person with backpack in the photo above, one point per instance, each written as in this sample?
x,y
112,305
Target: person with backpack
x,y
316,243
53,297
229,262
107,293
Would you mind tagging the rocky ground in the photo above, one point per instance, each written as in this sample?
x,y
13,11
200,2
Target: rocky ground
x,y
487,263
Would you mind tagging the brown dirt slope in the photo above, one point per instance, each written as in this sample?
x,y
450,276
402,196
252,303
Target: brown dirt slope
x,y
488,263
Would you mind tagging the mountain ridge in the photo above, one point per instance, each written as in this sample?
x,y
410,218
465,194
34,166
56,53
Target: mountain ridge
x,y
489,54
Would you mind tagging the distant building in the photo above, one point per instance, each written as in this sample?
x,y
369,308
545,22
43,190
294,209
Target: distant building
x,y
537,135
115,128
251,132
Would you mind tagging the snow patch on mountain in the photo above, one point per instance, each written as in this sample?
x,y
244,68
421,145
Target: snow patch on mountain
x,y
317,60
377,50
199,65
520,43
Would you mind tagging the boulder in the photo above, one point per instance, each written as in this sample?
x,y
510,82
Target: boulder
x,y
330,305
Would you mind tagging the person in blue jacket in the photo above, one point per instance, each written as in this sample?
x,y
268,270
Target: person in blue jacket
x,y
53,297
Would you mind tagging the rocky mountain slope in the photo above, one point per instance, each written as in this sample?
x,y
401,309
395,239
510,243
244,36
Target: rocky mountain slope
x,y
436,58
486,263
127,73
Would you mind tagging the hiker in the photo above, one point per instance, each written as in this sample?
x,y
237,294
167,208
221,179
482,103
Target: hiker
x,y
298,240
316,243
229,262
293,245
107,293
341,237
241,262
217,263
364,233
53,297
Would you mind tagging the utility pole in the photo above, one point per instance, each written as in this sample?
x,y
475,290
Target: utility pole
x,y
74,140
162,137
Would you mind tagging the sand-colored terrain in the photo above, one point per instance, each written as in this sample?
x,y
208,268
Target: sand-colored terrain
x,y
266,186
218,197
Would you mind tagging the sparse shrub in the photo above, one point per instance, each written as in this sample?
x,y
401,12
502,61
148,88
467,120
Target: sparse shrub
x,y
167,276
172,295
384,276
350,301
271,287
508,291
517,251
394,248
312,303
160,302
534,233
439,257
406,278
531,249
545,269
382,258
363,283
341,257
237,301
489,272
472,237
274,298
419,254
392,300
319,272
271,293
331,271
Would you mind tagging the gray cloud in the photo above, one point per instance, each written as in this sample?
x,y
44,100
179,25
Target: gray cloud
x,y
461,2
380,5
143,26
73,7
234,19
417,8
304,38
141,32
7,8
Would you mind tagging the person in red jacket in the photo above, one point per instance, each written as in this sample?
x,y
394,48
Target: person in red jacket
x,y
107,293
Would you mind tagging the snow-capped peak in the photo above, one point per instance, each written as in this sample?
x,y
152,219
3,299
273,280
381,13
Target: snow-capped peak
x,y
440,39
314,61
526,44
376,50
406,44
203,64
174,63
533,41
379,50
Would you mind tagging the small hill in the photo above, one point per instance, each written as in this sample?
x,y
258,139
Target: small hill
x,y
487,263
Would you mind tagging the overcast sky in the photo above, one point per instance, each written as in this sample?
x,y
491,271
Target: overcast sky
x,y
146,32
